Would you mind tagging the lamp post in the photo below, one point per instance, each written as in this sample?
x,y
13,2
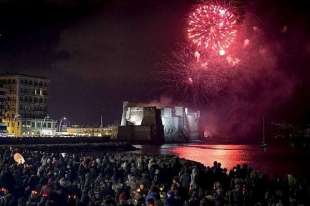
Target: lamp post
x,y
42,125
17,116
59,126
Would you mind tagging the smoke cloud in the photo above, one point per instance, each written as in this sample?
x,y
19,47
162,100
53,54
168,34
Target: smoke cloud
x,y
252,84
258,88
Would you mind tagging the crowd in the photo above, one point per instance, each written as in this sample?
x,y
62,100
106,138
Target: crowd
x,y
126,179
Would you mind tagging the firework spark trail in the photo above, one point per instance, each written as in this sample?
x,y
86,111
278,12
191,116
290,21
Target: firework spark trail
x,y
194,78
197,77
212,27
201,74
201,69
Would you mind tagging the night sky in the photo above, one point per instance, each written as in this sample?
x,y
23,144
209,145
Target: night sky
x,y
99,53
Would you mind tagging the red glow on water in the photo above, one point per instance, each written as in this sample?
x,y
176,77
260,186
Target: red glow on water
x,y
227,157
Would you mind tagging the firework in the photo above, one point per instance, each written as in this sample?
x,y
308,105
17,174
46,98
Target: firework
x,y
212,27
199,74
192,77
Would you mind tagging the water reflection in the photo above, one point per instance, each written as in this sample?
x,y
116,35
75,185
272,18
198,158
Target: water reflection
x,y
228,157
275,160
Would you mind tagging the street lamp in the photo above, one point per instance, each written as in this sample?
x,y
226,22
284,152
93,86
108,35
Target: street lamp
x,y
16,117
43,123
62,119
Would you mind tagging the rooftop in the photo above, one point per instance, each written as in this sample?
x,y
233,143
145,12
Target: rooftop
x,y
21,75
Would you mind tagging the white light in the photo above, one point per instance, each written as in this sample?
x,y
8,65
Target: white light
x,y
246,42
197,55
221,52
222,12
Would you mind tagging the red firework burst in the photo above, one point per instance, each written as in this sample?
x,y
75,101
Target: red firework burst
x,y
212,27
191,77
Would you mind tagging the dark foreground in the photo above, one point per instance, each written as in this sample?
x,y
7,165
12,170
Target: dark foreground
x,y
116,178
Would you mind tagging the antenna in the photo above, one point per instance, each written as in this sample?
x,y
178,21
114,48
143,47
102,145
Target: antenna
x,y
263,129
101,124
